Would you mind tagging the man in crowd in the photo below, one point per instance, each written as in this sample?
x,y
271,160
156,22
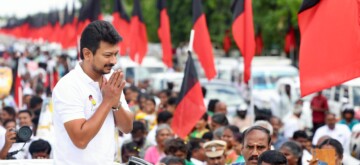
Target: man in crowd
x,y
215,152
87,104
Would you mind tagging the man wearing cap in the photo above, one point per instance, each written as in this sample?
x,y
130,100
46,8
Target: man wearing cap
x,y
215,152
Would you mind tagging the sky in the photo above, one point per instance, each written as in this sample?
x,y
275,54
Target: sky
x,y
22,8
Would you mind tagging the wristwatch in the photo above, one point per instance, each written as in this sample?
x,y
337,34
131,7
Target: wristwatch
x,y
117,107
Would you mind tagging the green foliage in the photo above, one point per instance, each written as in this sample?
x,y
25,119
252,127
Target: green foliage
x,y
269,15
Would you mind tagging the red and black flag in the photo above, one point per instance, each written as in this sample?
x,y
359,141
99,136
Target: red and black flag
x,y
330,43
164,33
243,33
121,23
55,32
89,12
202,43
190,107
38,25
68,37
138,34
227,42
259,42
17,88
290,42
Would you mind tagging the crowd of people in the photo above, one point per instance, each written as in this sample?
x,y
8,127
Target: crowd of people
x,y
216,139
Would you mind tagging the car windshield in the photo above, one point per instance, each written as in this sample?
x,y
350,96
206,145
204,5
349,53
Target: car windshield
x,y
143,72
356,96
226,93
267,79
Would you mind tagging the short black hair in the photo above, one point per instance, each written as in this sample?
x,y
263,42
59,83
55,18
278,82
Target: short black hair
x,y
239,137
220,118
95,32
138,126
25,111
152,99
272,157
169,160
259,128
204,91
10,111
34,101
194,145
336,144
208,136
300,134
40,146
8,121
174,145
234,129
172,101
205,117
211,105
163,117
130,147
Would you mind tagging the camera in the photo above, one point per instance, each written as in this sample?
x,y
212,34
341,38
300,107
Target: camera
x,y
23,134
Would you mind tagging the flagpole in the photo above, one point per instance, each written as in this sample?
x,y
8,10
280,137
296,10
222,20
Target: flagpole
x,y
191,42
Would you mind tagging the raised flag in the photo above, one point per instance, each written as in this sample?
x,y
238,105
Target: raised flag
x,y
202,43
164,33
290,42
243,33
138,35
330,43
190,107
121,23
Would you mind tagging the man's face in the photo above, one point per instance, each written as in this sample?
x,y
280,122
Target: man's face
x,y
4,116
201,152
330,121
216,161
276,124
163,98
150,106
302,141
40,155
139,137
255,143
220,108
104,58
24,119
10,125
180,154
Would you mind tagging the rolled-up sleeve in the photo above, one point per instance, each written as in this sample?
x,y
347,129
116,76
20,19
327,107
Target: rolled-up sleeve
x,y
68,104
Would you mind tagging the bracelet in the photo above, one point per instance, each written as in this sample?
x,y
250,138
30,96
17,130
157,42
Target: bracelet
x,y
117,107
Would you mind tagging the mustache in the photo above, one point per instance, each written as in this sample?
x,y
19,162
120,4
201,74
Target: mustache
x,y
253,158
108,65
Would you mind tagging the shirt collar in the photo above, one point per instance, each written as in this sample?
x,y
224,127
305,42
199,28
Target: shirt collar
x,y
82,74
195,161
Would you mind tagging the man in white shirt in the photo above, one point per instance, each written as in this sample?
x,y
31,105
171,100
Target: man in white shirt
x,y
88,105
293,123
339,132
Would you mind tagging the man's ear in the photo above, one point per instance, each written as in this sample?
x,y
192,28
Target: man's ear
x,y
86,53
